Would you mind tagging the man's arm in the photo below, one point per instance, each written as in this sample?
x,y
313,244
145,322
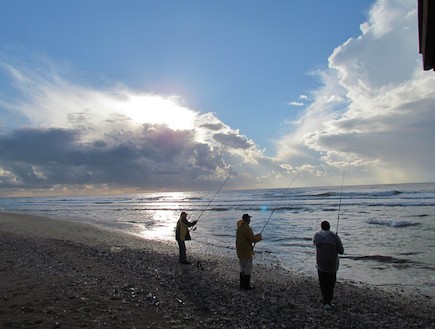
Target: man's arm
x,y
340,249
253,238
189,224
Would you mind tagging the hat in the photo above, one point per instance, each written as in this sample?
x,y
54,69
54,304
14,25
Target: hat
x,y
246,216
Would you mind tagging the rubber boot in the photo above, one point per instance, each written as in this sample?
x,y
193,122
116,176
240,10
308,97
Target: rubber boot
x,y
242,280
247,283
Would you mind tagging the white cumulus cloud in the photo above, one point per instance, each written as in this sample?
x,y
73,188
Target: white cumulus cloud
x,y
375,112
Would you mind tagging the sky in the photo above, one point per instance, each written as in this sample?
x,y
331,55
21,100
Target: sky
x,y
105,96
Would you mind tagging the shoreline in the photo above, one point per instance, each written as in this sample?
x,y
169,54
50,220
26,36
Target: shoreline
x,y
62,274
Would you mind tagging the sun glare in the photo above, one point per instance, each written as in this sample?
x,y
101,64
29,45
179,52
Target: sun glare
x,y
159,110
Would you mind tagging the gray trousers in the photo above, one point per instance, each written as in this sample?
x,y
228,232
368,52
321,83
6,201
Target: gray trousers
x,y
245,266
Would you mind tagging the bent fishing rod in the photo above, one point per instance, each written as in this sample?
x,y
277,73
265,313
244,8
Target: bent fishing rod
x,y
220,188
339,203
276,206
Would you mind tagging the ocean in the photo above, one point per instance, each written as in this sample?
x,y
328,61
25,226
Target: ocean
x,y
387,230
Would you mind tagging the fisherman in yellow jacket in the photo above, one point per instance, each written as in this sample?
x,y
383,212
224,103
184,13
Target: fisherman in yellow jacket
x,y
245,239
182,234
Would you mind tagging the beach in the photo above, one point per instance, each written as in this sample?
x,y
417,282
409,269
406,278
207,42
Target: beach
x,y
64,274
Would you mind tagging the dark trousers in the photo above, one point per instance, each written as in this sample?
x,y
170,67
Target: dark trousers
x,y
182,248
327,284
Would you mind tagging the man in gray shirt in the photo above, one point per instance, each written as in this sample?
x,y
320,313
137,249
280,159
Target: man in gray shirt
x,y
328,246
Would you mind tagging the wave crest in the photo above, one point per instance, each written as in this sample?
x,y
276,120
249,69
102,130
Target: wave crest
x,y
391,223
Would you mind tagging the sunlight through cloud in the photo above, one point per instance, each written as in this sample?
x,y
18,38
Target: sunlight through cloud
x,y
159,110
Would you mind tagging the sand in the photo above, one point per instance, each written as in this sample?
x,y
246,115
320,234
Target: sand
x,y
59,274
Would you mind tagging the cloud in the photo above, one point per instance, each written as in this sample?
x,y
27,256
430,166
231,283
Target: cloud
x,y
375,112
233,141
296,104
302,99
65,136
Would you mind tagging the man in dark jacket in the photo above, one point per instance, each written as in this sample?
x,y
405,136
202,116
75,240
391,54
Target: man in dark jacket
x,y
328,246
245,239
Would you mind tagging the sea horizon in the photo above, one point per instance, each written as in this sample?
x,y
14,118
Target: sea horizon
x,y
115,192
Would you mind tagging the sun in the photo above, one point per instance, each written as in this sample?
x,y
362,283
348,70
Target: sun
x,y
155,109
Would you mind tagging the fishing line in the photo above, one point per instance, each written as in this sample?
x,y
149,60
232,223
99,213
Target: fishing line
x,y
276,206
339,203
220,188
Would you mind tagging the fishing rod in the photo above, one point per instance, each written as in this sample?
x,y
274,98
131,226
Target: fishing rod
x,y
339,203
220,188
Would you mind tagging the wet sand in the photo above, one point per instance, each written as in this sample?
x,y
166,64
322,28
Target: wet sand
x,y
58,274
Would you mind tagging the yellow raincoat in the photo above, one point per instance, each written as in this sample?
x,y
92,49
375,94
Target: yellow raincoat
x,y
182,230
245,239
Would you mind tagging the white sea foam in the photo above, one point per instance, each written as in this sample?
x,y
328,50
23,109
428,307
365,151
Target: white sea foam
x,y
392,223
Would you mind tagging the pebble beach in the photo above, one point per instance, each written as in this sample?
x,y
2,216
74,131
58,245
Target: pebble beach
x,y
62,274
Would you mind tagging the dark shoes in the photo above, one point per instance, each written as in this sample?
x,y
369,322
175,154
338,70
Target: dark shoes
x,y
245,282
328,307
185,262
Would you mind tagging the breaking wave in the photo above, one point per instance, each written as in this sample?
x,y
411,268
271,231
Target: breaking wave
x,y
391,223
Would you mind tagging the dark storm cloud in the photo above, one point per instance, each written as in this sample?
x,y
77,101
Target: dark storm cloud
x,y
48,157
213,126
233,141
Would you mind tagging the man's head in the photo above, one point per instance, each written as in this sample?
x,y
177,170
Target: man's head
x,y
325,225
246,218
